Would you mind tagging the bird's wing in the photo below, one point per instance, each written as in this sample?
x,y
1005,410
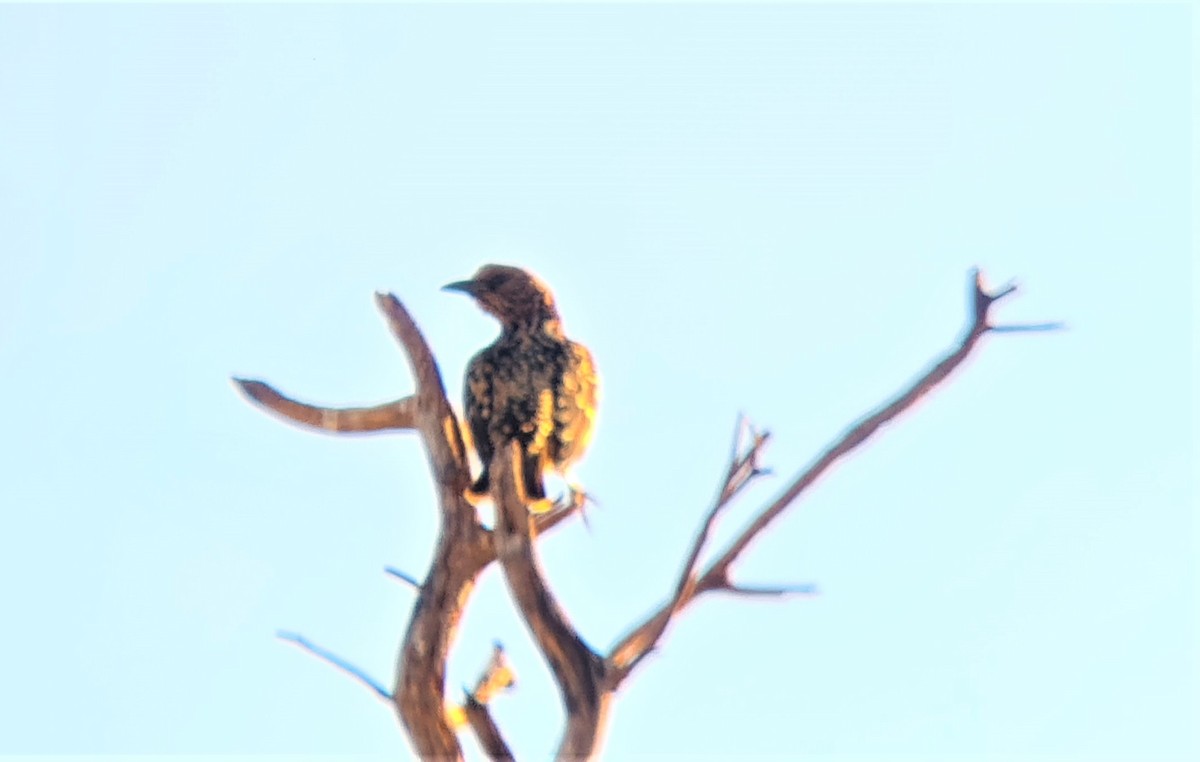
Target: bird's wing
x,y
575,412
479,404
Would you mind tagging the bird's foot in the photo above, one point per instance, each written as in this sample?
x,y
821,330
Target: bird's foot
x,y
479,491
575,499
541,505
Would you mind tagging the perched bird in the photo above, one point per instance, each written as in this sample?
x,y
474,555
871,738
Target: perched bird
x,y
533,384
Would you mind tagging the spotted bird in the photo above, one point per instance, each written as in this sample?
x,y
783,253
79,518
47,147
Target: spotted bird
x,y
532,384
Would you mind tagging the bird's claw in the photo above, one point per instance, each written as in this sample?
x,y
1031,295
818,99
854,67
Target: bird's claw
x,y
541,505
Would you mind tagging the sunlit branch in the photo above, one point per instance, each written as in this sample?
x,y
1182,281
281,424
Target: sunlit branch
x,y
397,415
577,669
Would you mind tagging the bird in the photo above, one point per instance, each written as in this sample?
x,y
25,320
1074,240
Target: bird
x,y
532,384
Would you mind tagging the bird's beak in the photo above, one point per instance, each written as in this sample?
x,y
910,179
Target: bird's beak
x,y
465,286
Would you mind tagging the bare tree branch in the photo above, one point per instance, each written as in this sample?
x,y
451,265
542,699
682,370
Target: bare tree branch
x,y
338,662
486,731
464,548
756,591
435,418
460,555
544,522
397,415
631,649
578,671
989,297
1027,327
743,468
498,677
404,577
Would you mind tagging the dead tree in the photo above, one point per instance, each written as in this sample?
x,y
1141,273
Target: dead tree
x,y
587,681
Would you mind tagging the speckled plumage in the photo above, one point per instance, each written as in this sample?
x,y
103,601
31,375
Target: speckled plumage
x,y
532,384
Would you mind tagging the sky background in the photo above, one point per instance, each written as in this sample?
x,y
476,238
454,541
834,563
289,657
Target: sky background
x,y
769,209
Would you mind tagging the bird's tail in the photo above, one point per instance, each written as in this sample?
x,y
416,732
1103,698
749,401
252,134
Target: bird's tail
x,y
531,472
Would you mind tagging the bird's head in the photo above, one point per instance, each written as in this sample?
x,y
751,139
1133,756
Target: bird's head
x,y
513,296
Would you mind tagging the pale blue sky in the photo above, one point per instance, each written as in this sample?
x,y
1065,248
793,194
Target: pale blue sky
x,y
761,208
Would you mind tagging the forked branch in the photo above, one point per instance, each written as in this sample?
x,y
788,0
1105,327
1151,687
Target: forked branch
x,y
578,670
464,548
746,449
631,649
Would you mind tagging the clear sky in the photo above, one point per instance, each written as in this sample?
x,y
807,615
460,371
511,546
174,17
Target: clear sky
x,y
763,208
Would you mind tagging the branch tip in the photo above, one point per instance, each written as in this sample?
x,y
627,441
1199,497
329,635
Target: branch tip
x,y
336,662
253,388
788,591
1005,290
410,580
1028,327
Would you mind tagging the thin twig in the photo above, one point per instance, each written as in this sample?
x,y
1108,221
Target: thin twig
x,y
412,581
742,469
1028,327
735,443
755,591
543,522
998,294
337,662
